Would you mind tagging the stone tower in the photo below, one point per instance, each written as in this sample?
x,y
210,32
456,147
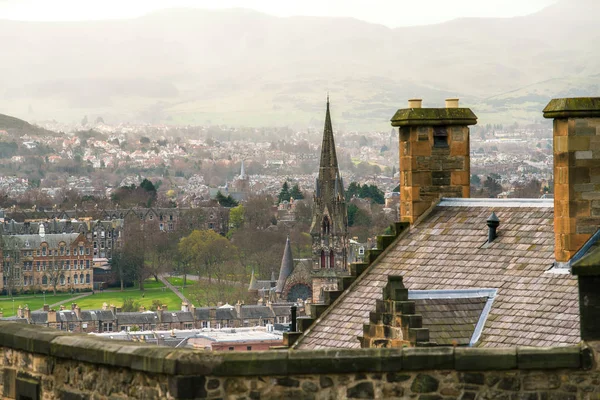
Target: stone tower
x,y
329,228
434,155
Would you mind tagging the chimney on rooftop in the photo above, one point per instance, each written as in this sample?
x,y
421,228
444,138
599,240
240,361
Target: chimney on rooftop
x,y
451,103
492,222
434,155
46,308
415,103
27,313
576,172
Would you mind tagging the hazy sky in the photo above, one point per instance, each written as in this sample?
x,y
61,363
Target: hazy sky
x,y
392,13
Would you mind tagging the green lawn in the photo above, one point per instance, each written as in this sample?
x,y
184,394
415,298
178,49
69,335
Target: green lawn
x,y
151,284
145,298
34,303
176,281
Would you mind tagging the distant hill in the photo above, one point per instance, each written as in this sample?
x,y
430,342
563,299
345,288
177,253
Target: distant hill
x,y
7,122
240,67
18,126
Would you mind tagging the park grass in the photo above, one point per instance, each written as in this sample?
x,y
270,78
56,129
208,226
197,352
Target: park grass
x,y
178,282
34,303
117,298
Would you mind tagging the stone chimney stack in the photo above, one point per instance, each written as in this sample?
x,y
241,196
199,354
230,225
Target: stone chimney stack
x,y
576,172
46,308
434,155
27,313
20,312
77,310
51,316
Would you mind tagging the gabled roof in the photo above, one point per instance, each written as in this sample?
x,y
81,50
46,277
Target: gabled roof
x,y
176,316
447,250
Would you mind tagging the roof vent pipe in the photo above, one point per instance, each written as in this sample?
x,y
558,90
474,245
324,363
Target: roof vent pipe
x,y
492,222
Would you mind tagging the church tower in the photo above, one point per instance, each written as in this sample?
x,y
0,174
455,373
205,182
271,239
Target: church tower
x,y
329,228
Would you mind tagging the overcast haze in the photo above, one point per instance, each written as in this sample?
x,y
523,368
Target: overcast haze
x,y
392,13
261,68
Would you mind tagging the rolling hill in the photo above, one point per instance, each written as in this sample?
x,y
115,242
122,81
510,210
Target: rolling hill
x,y
240,67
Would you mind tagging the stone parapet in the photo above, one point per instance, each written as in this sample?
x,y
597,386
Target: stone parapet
x,y
43,363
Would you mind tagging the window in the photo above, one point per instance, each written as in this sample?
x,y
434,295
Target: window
x,y
161,227
44,265
62,251
170,226
81,279
43,251
44,280
68,252
151,217
87,251
37,264
87,278
440,136
248,348
62,279
107,327
231,349
75,279
80,250
87,264
95,244
68,265
205,324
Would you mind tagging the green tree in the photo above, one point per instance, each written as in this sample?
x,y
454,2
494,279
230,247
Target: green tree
x,y
295,193
207,251
226,201
236,218
475,180
130,305
284,193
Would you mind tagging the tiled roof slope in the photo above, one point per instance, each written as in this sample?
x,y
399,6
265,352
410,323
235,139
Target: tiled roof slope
x,y
445,251
451,321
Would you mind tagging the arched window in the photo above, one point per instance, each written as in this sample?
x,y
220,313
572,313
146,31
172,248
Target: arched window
x,y
81,279
62,279
331,259
326,225
323,259
75,279
44,280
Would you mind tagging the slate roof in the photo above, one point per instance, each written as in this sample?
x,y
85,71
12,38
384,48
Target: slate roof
x,y
203,313
256,312
451,321
97,315
176,316
53,239
39,318
447,250
137,318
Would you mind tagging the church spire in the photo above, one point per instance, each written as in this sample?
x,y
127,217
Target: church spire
x,y
242,171
328,155
287,266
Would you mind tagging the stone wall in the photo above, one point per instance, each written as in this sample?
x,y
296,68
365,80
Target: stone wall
x,y
46,364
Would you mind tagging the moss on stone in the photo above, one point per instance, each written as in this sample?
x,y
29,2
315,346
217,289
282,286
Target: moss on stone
x,y
573,107
433,117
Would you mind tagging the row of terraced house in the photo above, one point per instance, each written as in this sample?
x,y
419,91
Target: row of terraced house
x,y
111,319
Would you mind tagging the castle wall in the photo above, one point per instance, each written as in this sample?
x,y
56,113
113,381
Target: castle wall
x,y
41,363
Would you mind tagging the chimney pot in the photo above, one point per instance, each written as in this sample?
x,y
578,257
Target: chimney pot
x,y
415,103
492,222
451,103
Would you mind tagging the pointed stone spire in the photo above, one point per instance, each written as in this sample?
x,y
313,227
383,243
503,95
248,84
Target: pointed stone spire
x,y
287,266
243,171
328,167
253,286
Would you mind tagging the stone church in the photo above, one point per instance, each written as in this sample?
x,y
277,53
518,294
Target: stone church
x,y
307,278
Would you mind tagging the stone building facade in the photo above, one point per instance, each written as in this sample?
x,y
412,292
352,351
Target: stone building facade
x,y
46,262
